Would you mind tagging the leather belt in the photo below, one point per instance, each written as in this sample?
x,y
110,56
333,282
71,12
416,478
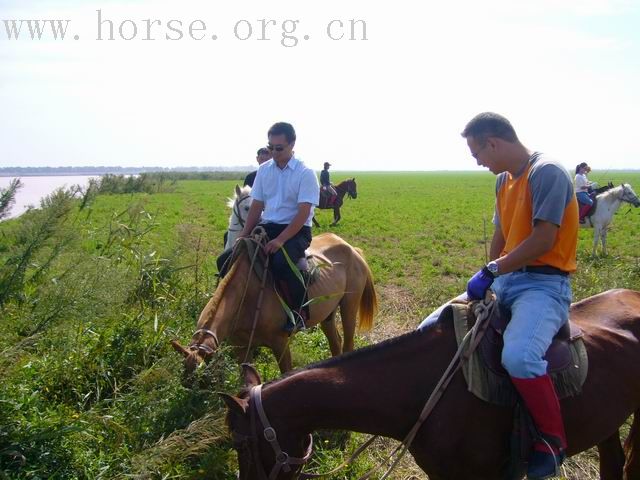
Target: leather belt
x,y
544,269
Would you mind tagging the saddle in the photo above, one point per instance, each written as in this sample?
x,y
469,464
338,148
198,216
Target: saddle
x,y
326,199
486,377
248,246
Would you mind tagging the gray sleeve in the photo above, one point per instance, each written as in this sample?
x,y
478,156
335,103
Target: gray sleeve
x,y
496,215
551,192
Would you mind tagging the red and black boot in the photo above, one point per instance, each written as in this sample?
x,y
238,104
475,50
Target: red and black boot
x,y
584,210
539,396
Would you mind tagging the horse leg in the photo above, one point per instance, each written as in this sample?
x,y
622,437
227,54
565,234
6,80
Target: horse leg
x,y
596,237
603,237
336,216
282,353
632,449
328,326
611,458
349,313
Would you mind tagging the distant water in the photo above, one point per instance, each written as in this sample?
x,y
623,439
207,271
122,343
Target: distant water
x,y
35,188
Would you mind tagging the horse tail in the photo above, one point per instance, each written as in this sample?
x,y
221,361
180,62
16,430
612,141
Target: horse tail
x,y
369,300
632,448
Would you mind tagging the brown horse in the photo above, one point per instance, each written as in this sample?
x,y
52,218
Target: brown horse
x,y
347,282
381,390
346,187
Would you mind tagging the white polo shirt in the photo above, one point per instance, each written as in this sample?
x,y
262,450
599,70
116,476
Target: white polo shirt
x,y
282,190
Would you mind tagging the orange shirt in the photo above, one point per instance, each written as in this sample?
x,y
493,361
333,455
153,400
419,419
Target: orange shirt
x,y
514,206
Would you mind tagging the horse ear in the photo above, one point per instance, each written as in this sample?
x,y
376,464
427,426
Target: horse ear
x,y
179,348
238,192
250,375
235,404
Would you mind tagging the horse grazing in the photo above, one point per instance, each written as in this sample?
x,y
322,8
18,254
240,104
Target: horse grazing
x,y
607,205
381,390
250,316
346,187
239,206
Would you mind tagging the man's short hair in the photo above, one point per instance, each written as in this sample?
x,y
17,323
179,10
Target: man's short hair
x,y
262,151
489,124
283,128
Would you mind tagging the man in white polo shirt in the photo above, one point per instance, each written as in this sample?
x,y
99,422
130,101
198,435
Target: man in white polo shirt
x,y
284,193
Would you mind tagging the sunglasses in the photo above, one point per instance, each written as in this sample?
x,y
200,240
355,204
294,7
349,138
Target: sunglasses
x,y
277,148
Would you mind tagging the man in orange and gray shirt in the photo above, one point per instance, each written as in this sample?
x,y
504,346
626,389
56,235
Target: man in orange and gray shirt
x,y
533,251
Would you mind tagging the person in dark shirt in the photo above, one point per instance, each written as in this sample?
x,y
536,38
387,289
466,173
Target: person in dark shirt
x,y
262,156
326,187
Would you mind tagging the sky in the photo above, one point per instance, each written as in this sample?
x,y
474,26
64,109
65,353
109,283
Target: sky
x,y
566,74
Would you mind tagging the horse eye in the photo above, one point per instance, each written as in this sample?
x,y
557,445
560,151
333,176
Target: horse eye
x,y
246,209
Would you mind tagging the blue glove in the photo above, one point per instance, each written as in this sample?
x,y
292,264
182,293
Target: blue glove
x,y
479,284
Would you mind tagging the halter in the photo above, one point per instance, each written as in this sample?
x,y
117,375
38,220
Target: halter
x,y
283,460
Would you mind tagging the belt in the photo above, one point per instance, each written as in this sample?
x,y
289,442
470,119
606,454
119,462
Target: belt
x,y
544,269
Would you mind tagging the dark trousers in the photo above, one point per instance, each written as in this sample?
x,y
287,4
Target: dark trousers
x,y
287,282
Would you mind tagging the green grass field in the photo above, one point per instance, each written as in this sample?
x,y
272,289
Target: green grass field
x,y
90,387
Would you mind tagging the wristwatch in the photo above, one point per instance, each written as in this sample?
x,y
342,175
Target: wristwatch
x,y
492,266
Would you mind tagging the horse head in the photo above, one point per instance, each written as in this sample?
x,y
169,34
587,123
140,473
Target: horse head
x,y
220,317
193,357
265,450
351,188
628,195
239,205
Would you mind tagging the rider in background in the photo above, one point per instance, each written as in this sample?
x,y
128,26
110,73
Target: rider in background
x,y
262,156
326,186
583,186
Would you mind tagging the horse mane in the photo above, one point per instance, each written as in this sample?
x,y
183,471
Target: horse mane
x,y
217,295
615,191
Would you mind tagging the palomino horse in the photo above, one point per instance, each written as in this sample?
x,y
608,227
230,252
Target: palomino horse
x,y
249,316
239,206
381,390
608,204
346,187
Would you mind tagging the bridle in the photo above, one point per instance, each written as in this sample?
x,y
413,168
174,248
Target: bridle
x,y
352,194
628,196
236,211
201,347
250,442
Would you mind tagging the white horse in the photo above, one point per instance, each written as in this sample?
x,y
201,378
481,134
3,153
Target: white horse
x,y
239,205
608,203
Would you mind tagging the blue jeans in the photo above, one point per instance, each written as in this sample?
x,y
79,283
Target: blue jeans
x,y
539,306
584,198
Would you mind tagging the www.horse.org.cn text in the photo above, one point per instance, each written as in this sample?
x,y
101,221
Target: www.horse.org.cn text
x,y
286,32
